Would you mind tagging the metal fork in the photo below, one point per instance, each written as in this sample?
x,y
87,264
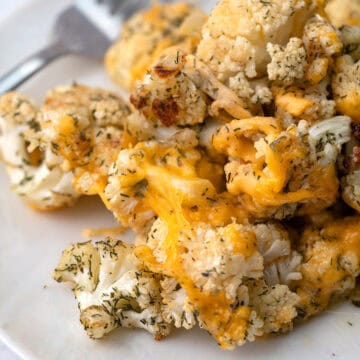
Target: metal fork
x,y
88,27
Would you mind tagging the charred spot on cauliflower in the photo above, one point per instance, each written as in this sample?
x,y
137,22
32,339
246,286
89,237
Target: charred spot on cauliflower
x,y
167,96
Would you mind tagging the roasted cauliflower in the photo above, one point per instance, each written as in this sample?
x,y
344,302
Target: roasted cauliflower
x,y
226,163
276,173
310,103
287,63
331,264
167,96
84,127
322,42
235,36
204,260
34,169
176,163
147,35
346,87
301,73
111,288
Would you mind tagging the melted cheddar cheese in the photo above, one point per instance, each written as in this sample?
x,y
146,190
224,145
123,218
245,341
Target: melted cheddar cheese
x,y
215,311
293,102
180,198
331,263
89,155
265,159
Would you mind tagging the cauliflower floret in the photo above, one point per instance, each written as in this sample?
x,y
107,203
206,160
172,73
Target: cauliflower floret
x,y
125,191
275,305
237,32
350,185
331,264
350,170
346,87
111,288
147,35
323,107
215,258
220,258
222,268
276,173
343,12
210,274
35,172
322,42
262,93
224,98
281,264
176,307
254,91
168,96
174,163
287,63
84,126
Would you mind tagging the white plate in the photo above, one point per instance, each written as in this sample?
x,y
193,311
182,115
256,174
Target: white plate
x,y
39,318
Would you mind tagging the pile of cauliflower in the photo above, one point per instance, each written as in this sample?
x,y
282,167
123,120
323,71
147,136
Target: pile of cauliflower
x,y
236,162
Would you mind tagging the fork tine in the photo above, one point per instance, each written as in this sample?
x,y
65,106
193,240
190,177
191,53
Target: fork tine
x,y
113,5
128,8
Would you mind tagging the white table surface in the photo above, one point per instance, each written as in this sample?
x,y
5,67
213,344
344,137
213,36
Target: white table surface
x,y
7,8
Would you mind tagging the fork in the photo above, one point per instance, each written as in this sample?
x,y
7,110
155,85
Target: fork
x,y
88,27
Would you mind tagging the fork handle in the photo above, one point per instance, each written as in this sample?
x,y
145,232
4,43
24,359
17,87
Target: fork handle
x,y
23,71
